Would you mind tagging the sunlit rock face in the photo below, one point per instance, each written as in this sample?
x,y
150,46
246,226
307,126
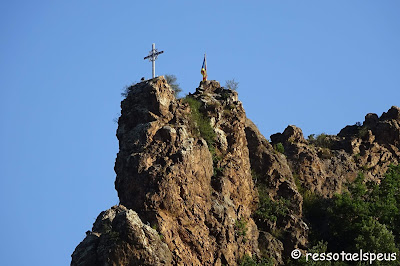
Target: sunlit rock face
x,y
192,173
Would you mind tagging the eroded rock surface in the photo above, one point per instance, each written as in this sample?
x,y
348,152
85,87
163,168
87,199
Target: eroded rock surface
x,y
119,237
190,173
325,166
199,195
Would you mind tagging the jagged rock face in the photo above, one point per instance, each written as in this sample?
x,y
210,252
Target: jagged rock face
x,y
274,172
190,199
387,129
165,172
369,148
119,237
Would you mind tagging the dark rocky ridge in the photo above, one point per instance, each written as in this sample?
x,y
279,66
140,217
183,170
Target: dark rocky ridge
x,y
184,201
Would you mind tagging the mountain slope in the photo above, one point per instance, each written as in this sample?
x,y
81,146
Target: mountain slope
x,y
199,185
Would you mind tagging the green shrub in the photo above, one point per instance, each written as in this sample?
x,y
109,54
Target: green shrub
x,y
241,227
299,186
362,132
255,176
201,123
311,137
375,237
232,84
363,202
171,80
269,209
323,141
127,90
366,217
386,198
279,148
253,261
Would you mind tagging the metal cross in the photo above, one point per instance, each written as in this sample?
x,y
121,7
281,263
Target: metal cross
x,y
152,57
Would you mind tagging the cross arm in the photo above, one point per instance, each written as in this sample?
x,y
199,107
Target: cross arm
x,y
153,55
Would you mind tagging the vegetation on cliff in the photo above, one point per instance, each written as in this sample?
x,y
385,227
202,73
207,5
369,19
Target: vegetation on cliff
x,y
200,123
172,82
366,216
200,185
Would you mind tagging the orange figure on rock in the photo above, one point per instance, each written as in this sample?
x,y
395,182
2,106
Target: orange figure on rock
x,y
204,69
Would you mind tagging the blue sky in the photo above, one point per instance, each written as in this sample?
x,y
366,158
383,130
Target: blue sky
x,y
320,65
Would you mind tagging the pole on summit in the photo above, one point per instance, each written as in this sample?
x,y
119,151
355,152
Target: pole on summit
x,y
204,69
152,57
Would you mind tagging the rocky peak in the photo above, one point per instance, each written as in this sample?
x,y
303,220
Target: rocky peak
x,y
392,114
195,190
371,120
290,134
119,237
387,130
209,86
198,184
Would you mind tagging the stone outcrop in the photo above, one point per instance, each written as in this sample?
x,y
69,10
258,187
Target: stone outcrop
x,y
119,237
272,170
192,174
168,176
325,164
199,196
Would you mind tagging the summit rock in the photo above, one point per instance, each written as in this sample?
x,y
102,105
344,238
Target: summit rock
x,y
196,179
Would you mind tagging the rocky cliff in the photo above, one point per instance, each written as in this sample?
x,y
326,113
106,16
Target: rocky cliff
x,y
199,185
325,163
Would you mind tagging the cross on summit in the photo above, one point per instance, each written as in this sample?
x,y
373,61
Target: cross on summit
x,y
152,57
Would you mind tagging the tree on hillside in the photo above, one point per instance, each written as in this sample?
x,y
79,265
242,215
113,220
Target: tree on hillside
x,y
171,80
232,84
375,237
366,216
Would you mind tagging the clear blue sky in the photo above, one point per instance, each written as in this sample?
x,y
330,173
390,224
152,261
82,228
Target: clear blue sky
x,y
320,65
